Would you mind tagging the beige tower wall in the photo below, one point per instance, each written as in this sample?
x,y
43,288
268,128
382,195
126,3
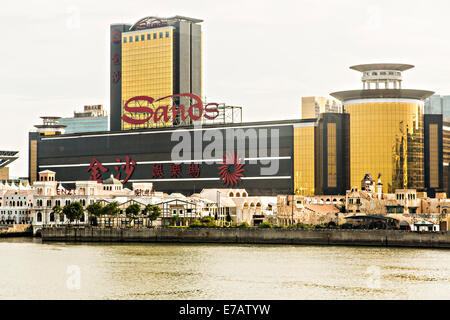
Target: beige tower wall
x,y
4,173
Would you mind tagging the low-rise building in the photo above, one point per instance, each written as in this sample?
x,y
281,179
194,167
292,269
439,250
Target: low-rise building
x,y
16,203
294,209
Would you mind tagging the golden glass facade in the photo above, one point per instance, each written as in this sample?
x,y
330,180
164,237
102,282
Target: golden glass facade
x,y
147,70
434,156
387,138
331,155
446,143
304,160
33,161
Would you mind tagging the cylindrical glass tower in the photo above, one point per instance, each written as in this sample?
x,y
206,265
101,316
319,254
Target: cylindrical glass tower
x,y
386,128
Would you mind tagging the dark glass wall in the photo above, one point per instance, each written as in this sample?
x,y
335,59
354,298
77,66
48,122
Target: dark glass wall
x,y
433,154
70,157
332,154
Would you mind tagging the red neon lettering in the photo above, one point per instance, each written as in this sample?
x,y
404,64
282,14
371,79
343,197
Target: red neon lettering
x,y
164,113
213,110
176,110
157,115
138,110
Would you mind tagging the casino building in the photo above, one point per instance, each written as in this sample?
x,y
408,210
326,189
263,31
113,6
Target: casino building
x,y
389,132
155,56
161,130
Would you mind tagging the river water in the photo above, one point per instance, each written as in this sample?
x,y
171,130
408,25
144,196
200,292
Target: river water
x,y
30,269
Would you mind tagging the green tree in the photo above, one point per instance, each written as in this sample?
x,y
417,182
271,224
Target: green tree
x,y
73,211
153,212
132,211
58,211
95,211
111,209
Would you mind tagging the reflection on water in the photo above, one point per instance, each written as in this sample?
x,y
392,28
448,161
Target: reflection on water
x,y
32,270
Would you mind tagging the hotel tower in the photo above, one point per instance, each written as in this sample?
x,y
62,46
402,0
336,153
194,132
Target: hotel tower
x,y
389,133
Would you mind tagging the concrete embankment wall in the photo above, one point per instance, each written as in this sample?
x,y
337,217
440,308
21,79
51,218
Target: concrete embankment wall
x,y
386,238
16,230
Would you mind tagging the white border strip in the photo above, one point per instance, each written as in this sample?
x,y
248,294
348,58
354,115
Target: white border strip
x,y
198,179
159,162
130,132
385,100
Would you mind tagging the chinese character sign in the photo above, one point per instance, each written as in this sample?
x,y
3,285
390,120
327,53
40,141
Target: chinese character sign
x,y
128,168
96,168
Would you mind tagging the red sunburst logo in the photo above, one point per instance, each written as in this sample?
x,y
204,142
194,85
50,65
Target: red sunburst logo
x,y
231,170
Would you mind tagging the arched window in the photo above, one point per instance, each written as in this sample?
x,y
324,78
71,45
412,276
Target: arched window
x,y
238,194
39,217
231,194
52,217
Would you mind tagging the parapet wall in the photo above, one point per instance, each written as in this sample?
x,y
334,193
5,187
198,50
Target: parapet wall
x,y
386,238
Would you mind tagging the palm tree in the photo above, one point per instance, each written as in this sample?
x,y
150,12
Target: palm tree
x,y
174,219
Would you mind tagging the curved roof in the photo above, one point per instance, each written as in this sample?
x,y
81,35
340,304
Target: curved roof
x,y
174,18
50,117
382,66
112,180
51,126
382,93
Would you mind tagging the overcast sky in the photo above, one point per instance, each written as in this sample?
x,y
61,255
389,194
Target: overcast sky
x,y
262,55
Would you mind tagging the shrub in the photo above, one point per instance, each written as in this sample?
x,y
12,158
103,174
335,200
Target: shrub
x,y
265,224
244,225
207,220
332,225
196,224
346,226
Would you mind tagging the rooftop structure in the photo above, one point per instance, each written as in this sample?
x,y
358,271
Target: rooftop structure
x,y
50,126
382,80
388,132
7,157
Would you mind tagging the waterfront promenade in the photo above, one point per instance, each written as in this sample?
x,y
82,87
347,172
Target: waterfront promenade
x,y
384,238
